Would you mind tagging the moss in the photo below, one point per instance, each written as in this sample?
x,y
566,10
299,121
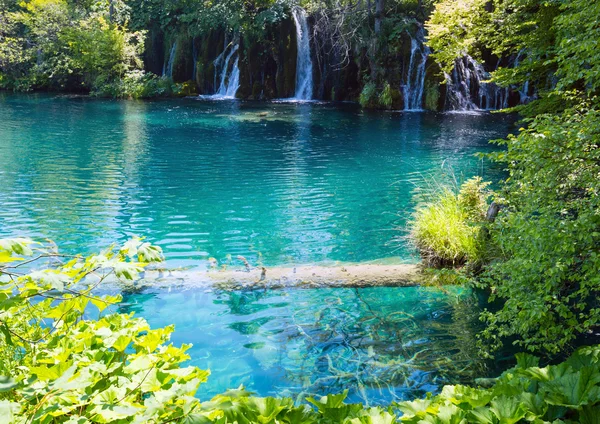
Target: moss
x,y
435,89
385,99
256,90
183,63
187,88
368,96
199,77
397,99
432,95
286,53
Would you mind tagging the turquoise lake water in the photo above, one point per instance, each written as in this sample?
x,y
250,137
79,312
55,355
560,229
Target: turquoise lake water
x,y
382,344
280,184
305,184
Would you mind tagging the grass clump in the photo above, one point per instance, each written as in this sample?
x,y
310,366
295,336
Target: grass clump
x,y
447,227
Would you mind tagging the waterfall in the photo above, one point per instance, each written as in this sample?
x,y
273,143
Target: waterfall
x,y
230,78
466,89
227,76
167,70
415,79
524,90
233,82
194,59
304,69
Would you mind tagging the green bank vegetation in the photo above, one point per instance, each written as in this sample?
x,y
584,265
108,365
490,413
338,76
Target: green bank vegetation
x,y
61,365
447,225
543,270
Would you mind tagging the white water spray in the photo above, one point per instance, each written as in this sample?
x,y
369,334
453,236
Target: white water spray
x,y
228,77
167,70
415,79
467,89
304,69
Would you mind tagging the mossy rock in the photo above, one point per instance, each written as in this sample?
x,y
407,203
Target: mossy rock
x,y
183,64
432,95
397,99
435,87
188,88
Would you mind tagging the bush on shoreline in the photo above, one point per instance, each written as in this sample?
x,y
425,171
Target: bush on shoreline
x,y
446,229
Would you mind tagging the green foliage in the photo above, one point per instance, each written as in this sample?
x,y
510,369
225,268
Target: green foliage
x,y
453,29
117,370
61,366
557,53
544,277
550,235
368,95
136,85
62,45
372,97
58,365
569,391
446,227
385,99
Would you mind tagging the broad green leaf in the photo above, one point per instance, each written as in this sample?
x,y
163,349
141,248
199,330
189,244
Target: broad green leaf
x,y
574,389
508,410
7,383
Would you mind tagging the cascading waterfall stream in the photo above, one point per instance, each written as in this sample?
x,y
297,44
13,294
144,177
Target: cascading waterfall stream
x,y
524,90
466,89
415,79
304,68
228,77
167,70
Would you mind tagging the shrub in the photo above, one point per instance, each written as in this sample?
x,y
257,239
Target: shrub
x,y
368,95
136,85
564,393
446,228
549,234
385,98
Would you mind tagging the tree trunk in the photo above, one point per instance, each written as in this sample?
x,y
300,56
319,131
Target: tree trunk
x,y
379,14
111,11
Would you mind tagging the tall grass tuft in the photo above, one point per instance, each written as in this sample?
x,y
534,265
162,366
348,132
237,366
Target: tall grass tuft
x,y
447,227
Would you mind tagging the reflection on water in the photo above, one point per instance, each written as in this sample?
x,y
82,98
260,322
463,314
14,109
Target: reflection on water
x,y
380,343
278,183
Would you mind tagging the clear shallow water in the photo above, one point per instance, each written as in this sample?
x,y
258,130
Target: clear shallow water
x,y
279,184
381,344
304,183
